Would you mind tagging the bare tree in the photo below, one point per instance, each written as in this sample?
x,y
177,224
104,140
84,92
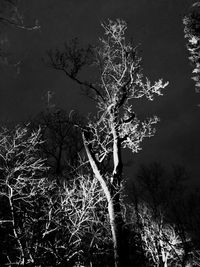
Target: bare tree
x,y
62,141
116,126
167,198
20,170
73,232
162,244
43,223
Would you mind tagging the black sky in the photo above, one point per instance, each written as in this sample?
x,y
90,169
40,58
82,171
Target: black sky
x,y
155,24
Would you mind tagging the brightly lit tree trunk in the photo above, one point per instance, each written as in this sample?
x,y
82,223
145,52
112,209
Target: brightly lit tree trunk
x,y
116,125
113,200
21,257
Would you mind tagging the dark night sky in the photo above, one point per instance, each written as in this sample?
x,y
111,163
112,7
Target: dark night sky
x,y
155,24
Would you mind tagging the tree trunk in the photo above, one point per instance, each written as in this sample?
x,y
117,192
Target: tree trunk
x,y
15,234
122,247
116,186
114,212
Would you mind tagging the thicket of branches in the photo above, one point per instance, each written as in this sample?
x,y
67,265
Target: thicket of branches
x,y
46,222
62,184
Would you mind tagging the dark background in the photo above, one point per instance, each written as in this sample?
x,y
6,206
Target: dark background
x,y
154,24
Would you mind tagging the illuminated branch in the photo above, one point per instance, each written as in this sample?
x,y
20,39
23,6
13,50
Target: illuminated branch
x,y
116,125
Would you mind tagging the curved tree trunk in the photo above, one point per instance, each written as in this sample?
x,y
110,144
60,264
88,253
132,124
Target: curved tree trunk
x,y
114,211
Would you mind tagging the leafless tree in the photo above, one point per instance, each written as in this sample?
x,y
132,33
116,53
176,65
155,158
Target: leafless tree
x,y
42,222
73,226
116,125
162,244
166,193
20,169
46,223
62,141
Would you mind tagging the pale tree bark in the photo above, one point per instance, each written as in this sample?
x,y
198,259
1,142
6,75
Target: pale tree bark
x,y
108,196
21,261
116,126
